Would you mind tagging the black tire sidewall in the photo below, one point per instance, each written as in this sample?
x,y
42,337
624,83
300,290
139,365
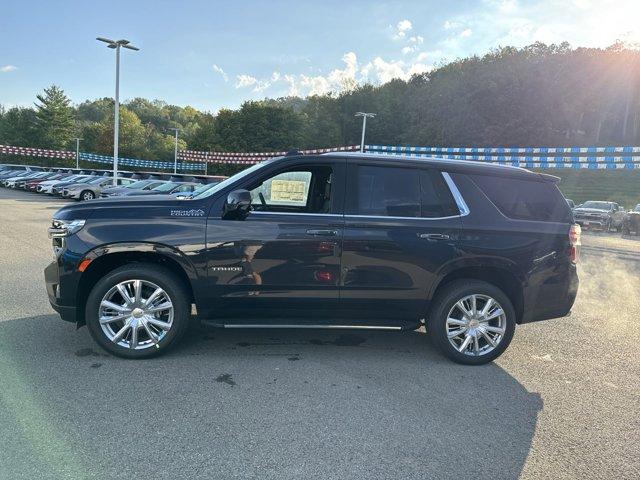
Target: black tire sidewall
x,y
162,277
444,301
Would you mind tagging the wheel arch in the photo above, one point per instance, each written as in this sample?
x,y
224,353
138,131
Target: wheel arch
x,y
108,258
498,275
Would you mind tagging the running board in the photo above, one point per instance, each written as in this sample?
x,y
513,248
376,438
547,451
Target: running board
x,y
323,327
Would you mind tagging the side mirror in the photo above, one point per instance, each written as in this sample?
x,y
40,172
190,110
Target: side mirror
x,y
237,205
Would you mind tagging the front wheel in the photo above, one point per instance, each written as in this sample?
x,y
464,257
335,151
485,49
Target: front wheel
x,y
87,195
138,311
471,322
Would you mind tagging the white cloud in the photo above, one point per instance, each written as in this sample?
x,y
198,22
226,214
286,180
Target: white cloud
x,y
466,33
450,25
402,28
416,39
219,70
8,68
243,81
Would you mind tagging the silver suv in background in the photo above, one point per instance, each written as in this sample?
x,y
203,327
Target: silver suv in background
x,y
603,215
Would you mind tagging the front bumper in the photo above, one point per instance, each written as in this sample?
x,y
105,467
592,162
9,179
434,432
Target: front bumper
x,y
52,279
599,222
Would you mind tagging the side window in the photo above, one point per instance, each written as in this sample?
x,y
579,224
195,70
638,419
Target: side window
x,y
300,190
387,191
525,199
436,197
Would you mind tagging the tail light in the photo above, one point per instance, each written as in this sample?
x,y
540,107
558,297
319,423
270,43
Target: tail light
x,y
574,242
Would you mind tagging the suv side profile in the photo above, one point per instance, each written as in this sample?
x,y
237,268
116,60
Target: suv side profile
x,y
336,241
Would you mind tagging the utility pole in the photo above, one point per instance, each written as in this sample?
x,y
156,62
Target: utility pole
x,y
78,152
116,44
364,116
175,153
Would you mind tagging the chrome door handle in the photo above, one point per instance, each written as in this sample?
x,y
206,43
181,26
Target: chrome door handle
x,y
322,233
433,236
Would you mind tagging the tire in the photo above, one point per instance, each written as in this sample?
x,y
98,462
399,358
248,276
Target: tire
x,y
444,304
155,332
86,195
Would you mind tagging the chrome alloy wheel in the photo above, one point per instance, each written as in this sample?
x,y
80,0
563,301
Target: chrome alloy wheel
x,y
476,325
136,314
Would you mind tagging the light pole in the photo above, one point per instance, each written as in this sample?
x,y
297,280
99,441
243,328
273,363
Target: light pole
x,y
175,153
364,116
116,44
78,152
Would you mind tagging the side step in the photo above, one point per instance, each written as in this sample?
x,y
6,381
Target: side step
x,y
324,327
344,324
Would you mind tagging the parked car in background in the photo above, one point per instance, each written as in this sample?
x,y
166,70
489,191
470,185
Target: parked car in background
x,y
22,183
58,187
32,185
332,241
603,215
13,172
631,221
47,185
11,181
141,185
197,191
92,188
167,188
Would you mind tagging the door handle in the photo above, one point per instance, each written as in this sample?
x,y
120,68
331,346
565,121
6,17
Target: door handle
x,y
322,233
433,236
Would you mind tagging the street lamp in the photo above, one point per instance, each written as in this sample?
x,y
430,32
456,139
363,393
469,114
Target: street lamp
x,y
78,152
175,153
364,116
116,44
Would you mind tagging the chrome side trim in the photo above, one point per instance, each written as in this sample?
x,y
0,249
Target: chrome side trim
x,y
462,205
258,212
387,217
322,327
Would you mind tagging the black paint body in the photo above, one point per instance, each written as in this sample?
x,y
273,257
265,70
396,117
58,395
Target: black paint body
x,y
356,270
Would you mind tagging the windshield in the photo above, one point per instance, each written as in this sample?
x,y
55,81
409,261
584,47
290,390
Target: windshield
x,y
203,188
232,179
597,205
165,187
138,184
637,209
97,180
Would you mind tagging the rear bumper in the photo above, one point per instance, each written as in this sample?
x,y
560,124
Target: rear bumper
x,y
552,299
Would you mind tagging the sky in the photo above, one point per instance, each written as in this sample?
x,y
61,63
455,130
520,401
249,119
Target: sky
x,y
218,54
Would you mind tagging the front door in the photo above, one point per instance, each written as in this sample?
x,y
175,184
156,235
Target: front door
x,y
283,260
401,227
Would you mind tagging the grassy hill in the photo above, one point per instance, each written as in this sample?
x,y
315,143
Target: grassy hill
x,y
622,186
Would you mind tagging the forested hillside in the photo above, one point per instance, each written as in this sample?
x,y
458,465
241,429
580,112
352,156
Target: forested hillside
x,y
540,95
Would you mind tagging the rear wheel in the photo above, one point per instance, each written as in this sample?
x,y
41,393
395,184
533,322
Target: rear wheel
x,y
471,322
138,311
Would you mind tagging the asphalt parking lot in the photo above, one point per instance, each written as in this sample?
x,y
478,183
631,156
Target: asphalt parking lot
x,y
562,402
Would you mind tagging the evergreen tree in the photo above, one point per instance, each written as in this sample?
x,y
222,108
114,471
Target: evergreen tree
x,y
54,119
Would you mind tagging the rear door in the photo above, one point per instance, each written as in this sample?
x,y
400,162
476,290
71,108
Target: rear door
x,y
401,227
283,260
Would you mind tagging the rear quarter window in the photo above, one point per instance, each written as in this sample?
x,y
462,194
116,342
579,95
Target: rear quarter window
x,y
525,199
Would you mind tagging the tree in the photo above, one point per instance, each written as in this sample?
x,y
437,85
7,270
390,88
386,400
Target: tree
x,y
18,127
54,119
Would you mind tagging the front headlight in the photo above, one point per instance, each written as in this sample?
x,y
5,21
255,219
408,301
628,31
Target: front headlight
x,y
64,228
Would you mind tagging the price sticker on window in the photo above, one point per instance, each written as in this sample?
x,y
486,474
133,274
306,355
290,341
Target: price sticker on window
x,y
288,191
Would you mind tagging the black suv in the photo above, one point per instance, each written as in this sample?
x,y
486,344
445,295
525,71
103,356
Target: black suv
x,y
338,241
